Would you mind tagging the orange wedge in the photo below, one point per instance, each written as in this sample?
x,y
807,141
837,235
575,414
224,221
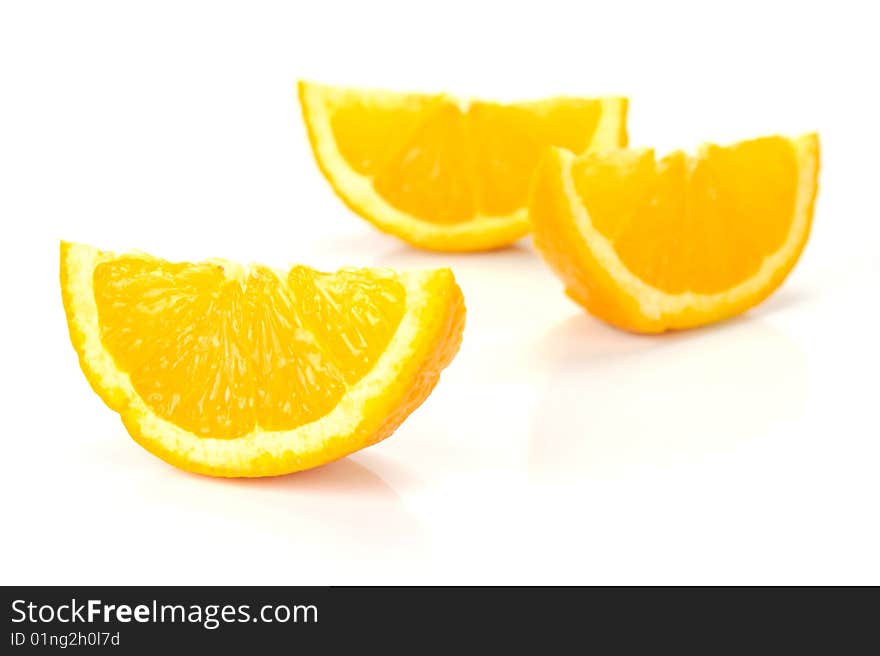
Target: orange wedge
x,y
441,173
651,244
232,371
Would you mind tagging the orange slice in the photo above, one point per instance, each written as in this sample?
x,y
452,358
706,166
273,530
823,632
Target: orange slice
x,y
233,371
651,245
440,173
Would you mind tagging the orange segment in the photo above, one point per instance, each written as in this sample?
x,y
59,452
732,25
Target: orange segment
x,y
295,379
440,173
430,177
246,372
650,244
370,132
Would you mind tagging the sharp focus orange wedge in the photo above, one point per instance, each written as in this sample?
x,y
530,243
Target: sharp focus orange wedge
x,y
232,371
653,244
440,173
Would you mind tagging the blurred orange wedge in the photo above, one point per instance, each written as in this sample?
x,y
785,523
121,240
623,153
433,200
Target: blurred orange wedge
x,y
650,245
440,173
232,371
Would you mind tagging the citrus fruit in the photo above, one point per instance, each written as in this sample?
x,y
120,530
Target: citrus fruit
x,y
441,173
652,244
250,371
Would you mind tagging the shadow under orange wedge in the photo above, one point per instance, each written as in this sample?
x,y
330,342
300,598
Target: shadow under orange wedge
x,y
232,371
650,245
441,173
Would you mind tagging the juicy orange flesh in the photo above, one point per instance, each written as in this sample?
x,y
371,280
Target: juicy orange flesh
x,y
369,134
432,159
699,224
220,355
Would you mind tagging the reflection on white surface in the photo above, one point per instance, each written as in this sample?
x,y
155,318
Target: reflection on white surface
x,y
341,513
614,400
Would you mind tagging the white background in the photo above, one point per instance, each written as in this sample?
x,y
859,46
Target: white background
x,y
555,449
